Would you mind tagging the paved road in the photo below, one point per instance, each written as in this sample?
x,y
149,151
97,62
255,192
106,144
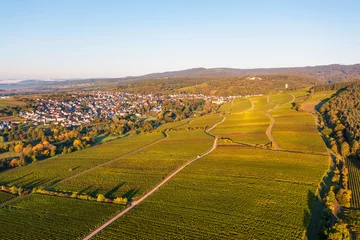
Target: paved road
x,y
134,203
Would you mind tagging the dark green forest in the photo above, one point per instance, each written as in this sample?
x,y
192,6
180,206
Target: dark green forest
x,y
342,116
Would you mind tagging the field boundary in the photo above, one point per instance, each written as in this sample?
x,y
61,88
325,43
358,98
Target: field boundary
x,y
135,203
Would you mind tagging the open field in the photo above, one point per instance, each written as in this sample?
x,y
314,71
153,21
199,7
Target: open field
x,y
233,193
4,102
47,217
244,125
134,175
47,172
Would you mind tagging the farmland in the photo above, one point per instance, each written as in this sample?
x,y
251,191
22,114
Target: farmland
x,y
232,193
245,124
5,197
204,121
134,175
47,217
354,181
315,98
4,102
47,172
294,130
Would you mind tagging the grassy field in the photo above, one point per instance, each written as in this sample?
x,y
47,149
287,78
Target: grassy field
x,y
4,102
244,125
46,172
233,193
134,175
47,217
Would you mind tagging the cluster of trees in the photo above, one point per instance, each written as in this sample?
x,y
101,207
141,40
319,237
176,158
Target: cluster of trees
x,y
14,190
342,119
219,85
332,86
185,108
99,198
338,195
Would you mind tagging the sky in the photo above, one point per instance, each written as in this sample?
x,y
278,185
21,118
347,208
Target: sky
x,y
89,39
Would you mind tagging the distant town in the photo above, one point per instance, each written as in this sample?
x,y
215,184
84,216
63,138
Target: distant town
x,y
83,107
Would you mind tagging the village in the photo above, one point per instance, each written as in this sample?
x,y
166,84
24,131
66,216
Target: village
x,y
84,107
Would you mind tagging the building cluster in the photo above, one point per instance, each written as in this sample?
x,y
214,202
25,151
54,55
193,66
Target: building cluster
x,y
83,107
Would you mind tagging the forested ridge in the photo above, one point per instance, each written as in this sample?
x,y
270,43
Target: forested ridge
x,y
220,86
342,116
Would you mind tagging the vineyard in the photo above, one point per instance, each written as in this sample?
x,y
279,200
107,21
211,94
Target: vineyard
x,y
244,125
134,175
234,193
204,121
5,197
354,181
294,130
49,171
46,217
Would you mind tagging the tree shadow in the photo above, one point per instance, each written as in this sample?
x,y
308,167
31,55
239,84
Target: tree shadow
x,y
14,180
85,190
94,193
112,191
131,193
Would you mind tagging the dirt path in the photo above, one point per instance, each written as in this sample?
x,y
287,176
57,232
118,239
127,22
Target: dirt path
x,y
134,203
269,130
272,121
252,105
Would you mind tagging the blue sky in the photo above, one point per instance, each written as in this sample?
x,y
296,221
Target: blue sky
x,y
79,39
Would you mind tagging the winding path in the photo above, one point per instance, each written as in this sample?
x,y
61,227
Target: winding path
x,y
272,121
269,129
134,203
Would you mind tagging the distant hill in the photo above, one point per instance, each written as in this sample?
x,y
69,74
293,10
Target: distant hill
x,y
328,73
323,74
